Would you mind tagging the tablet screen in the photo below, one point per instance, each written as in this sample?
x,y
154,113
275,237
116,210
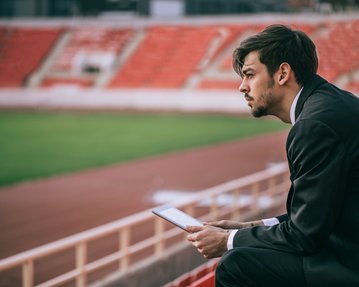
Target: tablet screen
x,y
177,217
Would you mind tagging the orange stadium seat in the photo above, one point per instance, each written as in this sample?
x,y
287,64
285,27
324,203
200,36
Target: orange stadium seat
x,y
23,50
88,40
202,276
353,87
219,84
338,49
165,59
91,39
206,281
168,56
50,82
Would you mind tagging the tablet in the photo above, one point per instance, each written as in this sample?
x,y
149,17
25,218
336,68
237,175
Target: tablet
x,y
176,216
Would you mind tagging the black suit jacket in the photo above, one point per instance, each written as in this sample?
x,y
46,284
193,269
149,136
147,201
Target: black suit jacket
x,y
322,220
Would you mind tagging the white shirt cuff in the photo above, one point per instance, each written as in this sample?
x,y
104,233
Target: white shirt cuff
x,y
270,221
230,239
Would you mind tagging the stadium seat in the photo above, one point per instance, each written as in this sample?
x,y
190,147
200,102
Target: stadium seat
x,y
206,281
219,84
91,39
202,276
18,62
51,82
334,56
165,59
353,86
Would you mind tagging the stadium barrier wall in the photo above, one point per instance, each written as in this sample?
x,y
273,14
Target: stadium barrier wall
x,y
222,201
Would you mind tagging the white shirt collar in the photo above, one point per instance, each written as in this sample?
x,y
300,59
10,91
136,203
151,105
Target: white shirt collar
x,y
292,108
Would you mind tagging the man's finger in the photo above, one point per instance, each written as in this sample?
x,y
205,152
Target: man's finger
x,y
191,237
193,229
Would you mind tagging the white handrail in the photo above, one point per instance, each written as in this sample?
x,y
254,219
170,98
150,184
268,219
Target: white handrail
x,y
123,228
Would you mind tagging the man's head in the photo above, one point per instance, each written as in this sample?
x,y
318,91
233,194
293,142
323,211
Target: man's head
x,y
278,44
274,64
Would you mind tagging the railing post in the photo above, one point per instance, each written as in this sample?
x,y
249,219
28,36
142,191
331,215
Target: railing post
x,y
124,244
28,274
214,208
81,256
255,194
235,205
271,186
159,228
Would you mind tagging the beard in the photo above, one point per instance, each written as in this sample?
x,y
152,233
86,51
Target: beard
x,y
267,100
259,112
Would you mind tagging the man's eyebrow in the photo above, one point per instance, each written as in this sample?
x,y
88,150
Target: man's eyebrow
x,y
247,70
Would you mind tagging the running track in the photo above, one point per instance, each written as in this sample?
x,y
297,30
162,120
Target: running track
x,y
38,212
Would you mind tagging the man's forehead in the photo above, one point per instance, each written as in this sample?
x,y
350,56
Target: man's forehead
x,y
250,60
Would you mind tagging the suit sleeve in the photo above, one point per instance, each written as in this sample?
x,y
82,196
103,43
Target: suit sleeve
x,y
319,164
283,217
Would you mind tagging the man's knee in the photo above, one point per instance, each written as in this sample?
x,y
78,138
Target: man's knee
x,y
246,266
229,271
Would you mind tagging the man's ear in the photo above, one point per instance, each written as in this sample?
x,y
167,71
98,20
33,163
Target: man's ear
x,y
284,73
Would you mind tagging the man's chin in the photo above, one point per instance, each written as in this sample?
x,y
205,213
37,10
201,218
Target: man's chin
x,y
257,113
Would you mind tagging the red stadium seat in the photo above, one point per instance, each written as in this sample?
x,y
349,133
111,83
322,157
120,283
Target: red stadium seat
x,y
353,87
168,56
165,59
18,62
91,39
206,281
202,276
51,82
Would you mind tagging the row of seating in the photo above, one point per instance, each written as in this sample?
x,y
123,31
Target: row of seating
x,y
78,82
252,28
21,52
202,276
338,49
168,56
91,39
167,65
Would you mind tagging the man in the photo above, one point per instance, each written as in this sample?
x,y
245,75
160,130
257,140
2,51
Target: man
x,y
317,242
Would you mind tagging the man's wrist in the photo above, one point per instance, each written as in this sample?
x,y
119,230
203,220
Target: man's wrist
x,y
270,221
231,235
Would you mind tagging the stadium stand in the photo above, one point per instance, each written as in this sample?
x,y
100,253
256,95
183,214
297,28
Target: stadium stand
x,y
171,63
162,61
173,56
202,276
218,84
91,40
85,53
50,82
338,47
353,86
22,50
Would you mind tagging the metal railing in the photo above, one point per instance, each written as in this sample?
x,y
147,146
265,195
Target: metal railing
x,y
222,201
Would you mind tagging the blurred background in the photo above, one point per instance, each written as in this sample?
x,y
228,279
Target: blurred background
x,y
109,108
168,8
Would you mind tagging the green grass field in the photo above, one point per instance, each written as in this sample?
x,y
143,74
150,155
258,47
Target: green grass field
x,y
40,144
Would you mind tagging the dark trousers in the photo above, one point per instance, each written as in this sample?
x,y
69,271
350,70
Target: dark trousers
x,y
249,267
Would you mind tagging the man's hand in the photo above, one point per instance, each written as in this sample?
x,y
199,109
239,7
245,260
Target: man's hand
x,y
209,240
229,224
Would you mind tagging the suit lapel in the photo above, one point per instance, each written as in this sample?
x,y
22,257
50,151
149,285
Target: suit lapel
x,y
308,89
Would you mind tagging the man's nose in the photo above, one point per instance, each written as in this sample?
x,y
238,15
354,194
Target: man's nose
x,y
243,87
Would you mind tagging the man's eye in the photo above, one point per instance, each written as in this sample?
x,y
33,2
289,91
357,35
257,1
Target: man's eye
x,y
249,76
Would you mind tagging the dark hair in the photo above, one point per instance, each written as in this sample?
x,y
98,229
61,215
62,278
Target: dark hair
x,y
277,44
